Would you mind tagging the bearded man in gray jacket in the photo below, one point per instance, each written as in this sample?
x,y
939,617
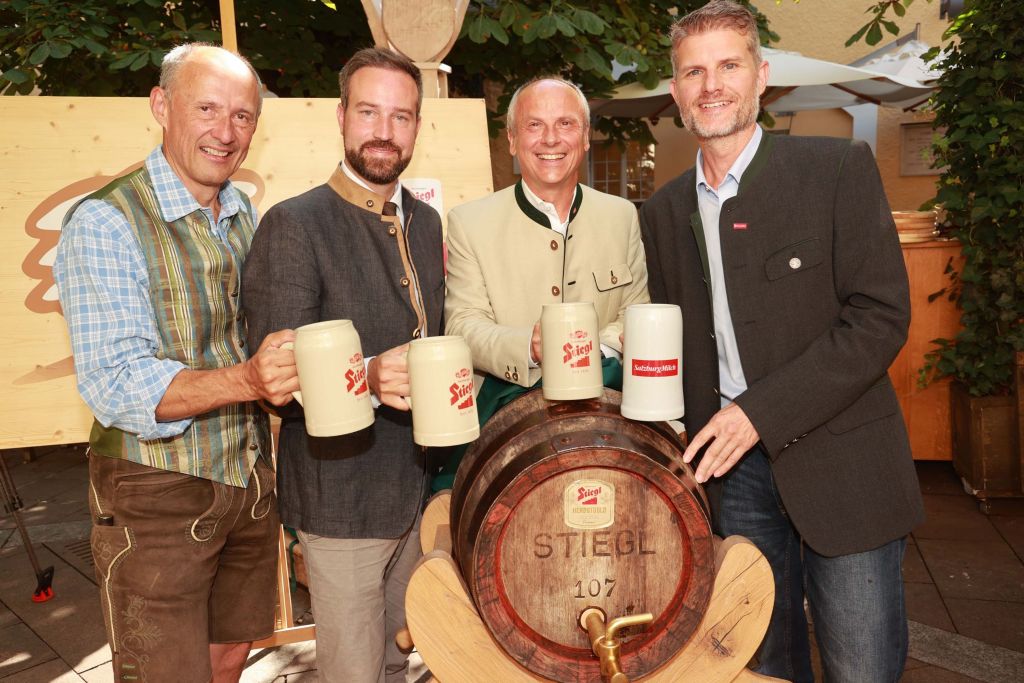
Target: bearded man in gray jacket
x,y
362,248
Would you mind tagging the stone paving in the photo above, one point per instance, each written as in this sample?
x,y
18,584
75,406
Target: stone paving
x,y
963,573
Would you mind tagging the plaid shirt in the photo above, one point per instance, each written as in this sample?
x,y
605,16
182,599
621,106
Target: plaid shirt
x,y
103,282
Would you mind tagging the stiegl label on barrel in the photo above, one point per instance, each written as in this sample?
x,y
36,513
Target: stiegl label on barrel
x,y
589,504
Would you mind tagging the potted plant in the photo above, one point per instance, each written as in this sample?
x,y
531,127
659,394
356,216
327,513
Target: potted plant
x,y
980,104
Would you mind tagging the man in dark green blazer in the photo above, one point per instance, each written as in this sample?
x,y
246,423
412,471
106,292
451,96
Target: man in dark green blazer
x,y
783,256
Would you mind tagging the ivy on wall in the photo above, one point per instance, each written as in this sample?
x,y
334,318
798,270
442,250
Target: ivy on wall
x,y
980,102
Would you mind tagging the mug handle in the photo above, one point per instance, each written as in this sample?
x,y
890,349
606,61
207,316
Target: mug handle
x,y
297,394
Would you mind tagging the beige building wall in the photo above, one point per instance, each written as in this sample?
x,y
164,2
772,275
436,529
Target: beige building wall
x,y
677,149
820,29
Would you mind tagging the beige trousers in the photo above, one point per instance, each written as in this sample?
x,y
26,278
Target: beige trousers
x,y
357,587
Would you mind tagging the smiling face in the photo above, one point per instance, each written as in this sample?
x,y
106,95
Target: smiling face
x,y
718,84
551,138
209,117
380,125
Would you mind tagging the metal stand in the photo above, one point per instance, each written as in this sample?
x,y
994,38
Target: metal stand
x,y
12,504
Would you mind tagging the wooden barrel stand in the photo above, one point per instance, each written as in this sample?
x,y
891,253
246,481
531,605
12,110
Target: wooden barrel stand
x,y
562,509
457,648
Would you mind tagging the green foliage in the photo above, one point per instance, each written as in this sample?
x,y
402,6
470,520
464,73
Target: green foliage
x,y
871,32
512,41
980,103
299,46
114,47
89,47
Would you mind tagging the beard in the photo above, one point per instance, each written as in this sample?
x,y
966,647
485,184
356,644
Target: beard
x,y
373,169
746,115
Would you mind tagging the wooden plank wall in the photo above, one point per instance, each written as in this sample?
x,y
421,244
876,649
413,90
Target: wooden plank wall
x,y
56,149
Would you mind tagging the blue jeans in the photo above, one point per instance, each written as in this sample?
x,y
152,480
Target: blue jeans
x,y
856,600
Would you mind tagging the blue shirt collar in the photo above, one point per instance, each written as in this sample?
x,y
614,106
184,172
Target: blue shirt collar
x,y
738,167
174,198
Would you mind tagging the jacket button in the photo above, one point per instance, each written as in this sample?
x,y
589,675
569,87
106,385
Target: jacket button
x,y
234,292
712,334
416,334
252,447
392,231
554,245
369,203
404,281
515,376
794,263
555,290
508,375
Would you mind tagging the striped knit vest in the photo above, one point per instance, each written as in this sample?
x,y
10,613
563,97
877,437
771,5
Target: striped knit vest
x,y
194,279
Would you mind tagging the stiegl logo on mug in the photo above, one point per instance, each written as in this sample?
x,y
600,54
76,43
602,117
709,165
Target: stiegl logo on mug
x,y
462,389
576,352
355,377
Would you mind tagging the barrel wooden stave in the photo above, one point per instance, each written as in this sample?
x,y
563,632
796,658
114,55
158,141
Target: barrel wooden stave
x,y
527,454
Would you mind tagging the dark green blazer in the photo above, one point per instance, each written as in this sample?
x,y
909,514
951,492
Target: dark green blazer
x,y
819,301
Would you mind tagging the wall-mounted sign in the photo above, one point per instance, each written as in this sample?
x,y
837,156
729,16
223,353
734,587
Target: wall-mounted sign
x,y
916,156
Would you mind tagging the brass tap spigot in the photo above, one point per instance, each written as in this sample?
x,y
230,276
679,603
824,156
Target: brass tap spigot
x,y
605,643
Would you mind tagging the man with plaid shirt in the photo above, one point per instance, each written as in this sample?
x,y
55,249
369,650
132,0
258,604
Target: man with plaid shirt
x,y
180,479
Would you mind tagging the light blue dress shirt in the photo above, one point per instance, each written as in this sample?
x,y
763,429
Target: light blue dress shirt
x,y
731,381
103,282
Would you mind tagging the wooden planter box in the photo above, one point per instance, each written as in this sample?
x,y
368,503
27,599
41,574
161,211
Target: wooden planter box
x,y
986,452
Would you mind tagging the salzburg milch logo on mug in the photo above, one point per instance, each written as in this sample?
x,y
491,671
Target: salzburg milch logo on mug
x,y
656,368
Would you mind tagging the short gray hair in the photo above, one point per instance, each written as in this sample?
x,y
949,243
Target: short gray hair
x,y
172,62
510,117
714,16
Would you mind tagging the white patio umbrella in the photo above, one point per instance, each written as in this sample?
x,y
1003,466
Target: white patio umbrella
x,y
903,60
795,83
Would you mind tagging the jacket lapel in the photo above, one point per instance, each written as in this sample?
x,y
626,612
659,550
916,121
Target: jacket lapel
x,y
697,226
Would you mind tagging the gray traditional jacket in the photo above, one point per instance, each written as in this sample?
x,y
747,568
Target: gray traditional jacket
x,y
819,301
330,254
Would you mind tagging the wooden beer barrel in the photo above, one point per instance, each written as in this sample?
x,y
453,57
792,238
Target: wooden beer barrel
x,y
563,506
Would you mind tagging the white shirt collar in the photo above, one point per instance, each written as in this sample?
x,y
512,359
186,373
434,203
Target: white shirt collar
x,y
738,167
548,209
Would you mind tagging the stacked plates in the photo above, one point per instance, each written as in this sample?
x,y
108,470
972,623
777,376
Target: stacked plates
x,y
915,226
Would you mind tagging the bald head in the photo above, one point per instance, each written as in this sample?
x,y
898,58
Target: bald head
x,y
546,83
204,54
207,103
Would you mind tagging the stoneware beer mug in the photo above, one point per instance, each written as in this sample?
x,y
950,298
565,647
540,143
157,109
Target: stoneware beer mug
x,y
441,392
332,378
571,350
652,363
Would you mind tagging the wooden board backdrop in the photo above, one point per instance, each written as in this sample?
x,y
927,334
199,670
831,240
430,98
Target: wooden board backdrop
x,y
56,149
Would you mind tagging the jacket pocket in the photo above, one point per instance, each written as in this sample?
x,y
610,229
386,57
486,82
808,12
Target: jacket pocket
x,y
612,277
795,258
877,402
